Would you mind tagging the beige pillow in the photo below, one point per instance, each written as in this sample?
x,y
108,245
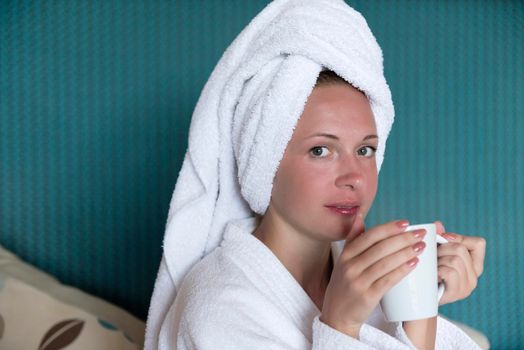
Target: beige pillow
x,y
477,336
38,312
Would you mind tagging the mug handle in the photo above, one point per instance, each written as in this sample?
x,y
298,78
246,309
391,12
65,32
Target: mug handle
x,y
441,286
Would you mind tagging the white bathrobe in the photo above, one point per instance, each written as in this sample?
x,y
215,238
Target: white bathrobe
x,y
240,296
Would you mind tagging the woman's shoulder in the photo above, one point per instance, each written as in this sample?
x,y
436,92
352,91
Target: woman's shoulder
x,y
218,291
235,281
225,269
217,278
211,272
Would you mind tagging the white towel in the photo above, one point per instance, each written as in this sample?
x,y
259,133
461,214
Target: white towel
x,y
245,117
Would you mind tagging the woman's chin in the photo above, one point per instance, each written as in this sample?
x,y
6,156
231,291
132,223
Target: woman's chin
x,y
344,232
337,234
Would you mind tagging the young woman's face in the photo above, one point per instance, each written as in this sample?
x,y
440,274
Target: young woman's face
x,y
328,173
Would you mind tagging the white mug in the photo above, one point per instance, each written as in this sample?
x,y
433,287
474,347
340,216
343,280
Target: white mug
x,y
417,295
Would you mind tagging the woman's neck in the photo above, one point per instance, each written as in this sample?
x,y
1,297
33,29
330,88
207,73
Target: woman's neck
x,y
309,261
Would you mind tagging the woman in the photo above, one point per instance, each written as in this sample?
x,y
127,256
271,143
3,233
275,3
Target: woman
x,y
304,273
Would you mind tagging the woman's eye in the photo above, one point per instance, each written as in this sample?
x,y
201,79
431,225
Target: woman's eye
x,y
367,151
319,151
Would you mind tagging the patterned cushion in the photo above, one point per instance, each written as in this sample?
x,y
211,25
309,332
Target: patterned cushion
x,y
37,312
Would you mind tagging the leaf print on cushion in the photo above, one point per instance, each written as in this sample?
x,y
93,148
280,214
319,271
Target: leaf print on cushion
x,y
61,334
2,281
2,326
129,338
107,325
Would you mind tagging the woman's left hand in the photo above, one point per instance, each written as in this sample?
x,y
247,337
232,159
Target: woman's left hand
x,y
460,264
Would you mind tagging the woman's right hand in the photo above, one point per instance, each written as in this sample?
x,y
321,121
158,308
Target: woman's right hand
x,y
370,264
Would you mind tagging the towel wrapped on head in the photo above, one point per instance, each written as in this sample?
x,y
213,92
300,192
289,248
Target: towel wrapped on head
x,y
244,119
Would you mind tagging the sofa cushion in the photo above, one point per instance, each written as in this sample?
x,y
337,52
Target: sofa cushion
x,y
38,312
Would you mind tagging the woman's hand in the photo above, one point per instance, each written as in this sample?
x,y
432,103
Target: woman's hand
x,y
370,264
460,264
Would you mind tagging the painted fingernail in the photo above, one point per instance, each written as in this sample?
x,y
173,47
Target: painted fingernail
x,y
412,262
403,223
419,233
418,247
449,236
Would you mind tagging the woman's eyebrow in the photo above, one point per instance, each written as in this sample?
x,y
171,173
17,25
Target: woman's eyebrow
x,y
334,137
330,136
370,137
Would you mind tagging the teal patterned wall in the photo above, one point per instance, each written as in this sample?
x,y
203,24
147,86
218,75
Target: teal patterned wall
x,y
95,103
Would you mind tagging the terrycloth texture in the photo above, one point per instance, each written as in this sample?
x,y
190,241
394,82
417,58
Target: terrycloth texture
x,y
245,117
242,297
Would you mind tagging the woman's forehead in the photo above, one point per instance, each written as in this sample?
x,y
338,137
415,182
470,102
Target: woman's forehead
x,y
336,108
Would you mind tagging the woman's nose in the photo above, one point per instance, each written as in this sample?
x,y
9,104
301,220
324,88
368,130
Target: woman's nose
x,y
350,175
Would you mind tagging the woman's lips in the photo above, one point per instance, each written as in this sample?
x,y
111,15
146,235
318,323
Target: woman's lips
x,y
343,210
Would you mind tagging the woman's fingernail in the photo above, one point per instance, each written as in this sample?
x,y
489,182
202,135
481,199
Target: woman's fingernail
x,y
418,247
419,233
449,236
412,262
403,223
